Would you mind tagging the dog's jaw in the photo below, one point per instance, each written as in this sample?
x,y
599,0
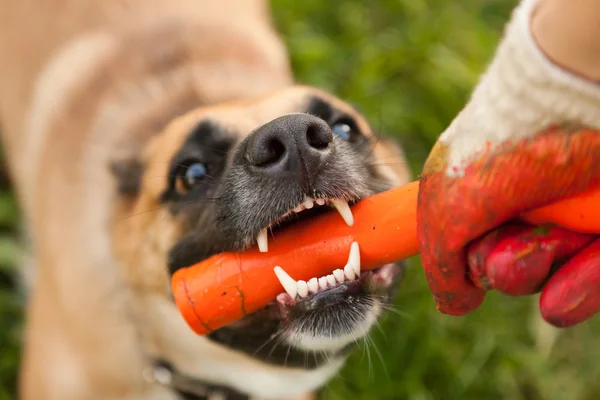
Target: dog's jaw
x,y
320,341
361,302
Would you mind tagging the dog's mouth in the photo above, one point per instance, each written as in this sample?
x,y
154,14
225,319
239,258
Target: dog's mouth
x,y
340,286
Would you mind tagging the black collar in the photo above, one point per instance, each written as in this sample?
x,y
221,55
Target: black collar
x,y
189,388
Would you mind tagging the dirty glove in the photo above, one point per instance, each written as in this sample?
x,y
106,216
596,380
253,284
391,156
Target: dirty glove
x,y
525,139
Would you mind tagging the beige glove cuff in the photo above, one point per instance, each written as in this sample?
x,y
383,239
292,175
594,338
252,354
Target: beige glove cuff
x,y
521,93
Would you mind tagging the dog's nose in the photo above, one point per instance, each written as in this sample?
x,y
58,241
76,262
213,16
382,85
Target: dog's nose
x,y
295,146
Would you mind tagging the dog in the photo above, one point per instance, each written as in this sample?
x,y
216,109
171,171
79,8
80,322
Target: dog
x,y
143,137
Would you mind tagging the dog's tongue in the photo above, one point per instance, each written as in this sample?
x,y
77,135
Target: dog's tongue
x,y
494,187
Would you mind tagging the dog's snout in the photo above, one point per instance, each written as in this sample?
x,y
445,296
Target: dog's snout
x,y
294,146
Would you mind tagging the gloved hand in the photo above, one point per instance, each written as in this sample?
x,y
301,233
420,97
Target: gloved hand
x,y
525,139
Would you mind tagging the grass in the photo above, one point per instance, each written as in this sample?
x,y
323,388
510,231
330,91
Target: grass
x,y
409,65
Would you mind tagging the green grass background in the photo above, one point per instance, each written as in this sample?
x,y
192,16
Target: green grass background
x,y
409,65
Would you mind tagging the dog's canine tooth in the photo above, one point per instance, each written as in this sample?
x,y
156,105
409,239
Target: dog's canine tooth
x,y
263,241
354,258
308,203
344,210
313,285
323,282
320,202
331,280
339,275
288,283
302,288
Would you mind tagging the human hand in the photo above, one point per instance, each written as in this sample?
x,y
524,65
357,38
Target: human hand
x,y
525,139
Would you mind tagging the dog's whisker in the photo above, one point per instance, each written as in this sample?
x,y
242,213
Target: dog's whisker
x,y
379,356
280,338
381,330
173,176
399,155
276,343
314,354
403,163
141,212
262,346
183,202
369,360
394,310
287,354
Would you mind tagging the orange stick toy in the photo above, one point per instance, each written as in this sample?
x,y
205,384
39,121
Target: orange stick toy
x,y
228,286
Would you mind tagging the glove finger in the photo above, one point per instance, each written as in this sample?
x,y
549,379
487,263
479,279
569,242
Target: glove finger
x,y
479,250
521,261
572,294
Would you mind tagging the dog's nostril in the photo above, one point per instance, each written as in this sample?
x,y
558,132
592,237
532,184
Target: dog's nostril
x,y
318,137
266,150
274,152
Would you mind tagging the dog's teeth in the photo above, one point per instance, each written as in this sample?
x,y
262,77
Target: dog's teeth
x,y
344,210
320,202
298,208
330,279
308,203
354,258
313,285
302,288
323,282
263,241
288,283
349,272
339,275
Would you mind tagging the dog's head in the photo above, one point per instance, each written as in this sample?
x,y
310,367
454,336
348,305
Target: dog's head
x,y
222,178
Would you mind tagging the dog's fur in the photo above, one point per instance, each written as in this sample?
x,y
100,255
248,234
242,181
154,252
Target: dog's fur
x,y
100,103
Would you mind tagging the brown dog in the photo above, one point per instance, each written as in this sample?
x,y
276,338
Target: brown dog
x,y
144,136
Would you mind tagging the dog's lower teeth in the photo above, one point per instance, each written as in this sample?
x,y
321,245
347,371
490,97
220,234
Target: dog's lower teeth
x,y
313,285
323,282
331,280
339,275
302,288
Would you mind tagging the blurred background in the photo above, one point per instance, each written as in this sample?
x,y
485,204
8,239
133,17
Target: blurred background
x,y
410,66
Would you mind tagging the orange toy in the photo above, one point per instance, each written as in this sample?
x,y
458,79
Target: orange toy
x,y
228,286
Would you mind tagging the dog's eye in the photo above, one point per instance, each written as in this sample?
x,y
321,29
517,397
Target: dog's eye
x,y
195,173
342,130
190,175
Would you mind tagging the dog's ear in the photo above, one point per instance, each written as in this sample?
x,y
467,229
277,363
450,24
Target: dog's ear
x,y
128,175
390,160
